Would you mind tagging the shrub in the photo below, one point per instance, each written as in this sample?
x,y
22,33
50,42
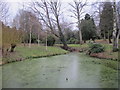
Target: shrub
x,y
50,40
115,49
96,48
12,47
10,38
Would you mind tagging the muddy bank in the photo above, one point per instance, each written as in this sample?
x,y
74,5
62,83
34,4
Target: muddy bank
x,y
102,56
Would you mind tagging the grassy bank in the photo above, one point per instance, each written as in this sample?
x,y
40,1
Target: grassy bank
x,y
108,54
108,51
108,63
24,52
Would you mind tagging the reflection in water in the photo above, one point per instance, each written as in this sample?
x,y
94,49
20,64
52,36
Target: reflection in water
x,y
63,71
74,69
71,73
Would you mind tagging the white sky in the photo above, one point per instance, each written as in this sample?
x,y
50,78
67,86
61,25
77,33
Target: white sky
x,y
60,0
15,5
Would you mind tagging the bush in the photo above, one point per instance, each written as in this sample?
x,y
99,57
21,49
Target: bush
x,y
50,40
115,49
10,38
96,48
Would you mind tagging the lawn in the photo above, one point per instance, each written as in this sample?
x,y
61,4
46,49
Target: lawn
x,y
24,52
108,51
0,38
75,45
78,45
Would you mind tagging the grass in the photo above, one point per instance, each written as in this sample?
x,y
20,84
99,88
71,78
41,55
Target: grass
x,y
24,52
0,37
109,63
108,51
78,45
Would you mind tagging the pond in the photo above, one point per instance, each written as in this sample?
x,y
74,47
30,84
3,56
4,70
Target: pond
x,y
72,70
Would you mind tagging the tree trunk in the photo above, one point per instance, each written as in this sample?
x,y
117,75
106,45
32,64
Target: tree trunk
x,y
62,38
46,41
115,44
118,23
84,41
104,36
38,41
49,21
30,39
80,35
109,39
38,38
12,47
118,39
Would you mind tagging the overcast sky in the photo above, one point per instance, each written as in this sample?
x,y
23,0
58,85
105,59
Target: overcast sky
x,y
15,5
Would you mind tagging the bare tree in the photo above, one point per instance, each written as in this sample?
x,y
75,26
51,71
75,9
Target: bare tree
x,y
4,8
78,11
29,23
97,10
49,13
42,10
30,31
15,22
118,13
98,7
34,26
118,20
39,29
55,7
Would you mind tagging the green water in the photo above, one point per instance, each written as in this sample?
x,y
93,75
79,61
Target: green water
x,y
64,71
0,77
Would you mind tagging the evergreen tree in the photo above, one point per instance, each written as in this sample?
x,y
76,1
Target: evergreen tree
x,y
106,21
88,28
